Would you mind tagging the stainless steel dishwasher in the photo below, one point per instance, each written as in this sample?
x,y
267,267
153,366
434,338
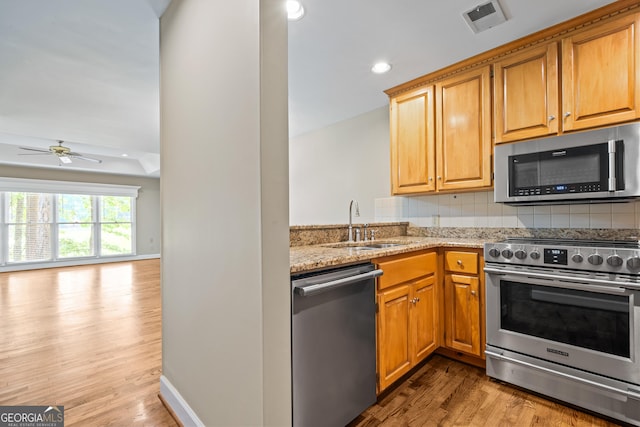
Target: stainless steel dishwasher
x,y
333,345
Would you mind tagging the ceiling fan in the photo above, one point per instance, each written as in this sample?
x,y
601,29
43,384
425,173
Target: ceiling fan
x,y
64,153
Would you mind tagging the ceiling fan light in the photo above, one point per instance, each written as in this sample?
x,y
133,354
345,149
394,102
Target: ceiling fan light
x,y
295,10
64,159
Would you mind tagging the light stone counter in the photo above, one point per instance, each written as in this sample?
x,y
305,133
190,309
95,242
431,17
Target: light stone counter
x,y
315,257
311,247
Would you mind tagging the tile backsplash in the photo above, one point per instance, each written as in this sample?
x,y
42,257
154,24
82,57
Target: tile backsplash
x,y
478,210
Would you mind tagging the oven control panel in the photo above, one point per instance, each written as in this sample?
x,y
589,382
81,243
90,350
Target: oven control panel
x,y
559,254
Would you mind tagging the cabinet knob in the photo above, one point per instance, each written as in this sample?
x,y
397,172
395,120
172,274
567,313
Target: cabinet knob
x,y
567,114
460,262
552,117
473,293
439,177
430,178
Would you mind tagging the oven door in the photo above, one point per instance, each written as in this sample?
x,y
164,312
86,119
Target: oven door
x,y
586,323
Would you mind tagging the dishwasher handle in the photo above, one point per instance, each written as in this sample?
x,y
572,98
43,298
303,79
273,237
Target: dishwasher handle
x,y
317,288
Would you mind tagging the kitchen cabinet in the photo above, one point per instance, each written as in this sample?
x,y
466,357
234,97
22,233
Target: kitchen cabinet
x,y
463,131
407,318
526,94
441,135
598,84
464,302
599,74
413,141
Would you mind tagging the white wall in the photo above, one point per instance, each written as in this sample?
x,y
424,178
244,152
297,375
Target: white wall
x,y
147,204
225,264
331,166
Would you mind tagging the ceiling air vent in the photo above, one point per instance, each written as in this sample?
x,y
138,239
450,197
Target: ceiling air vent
x,y
484,16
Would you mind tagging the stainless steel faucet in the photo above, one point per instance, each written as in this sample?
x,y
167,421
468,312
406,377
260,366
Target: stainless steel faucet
x,y
351,218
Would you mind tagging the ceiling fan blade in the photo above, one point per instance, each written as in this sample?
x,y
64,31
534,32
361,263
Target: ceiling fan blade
x,y
81,157
34,154
35,149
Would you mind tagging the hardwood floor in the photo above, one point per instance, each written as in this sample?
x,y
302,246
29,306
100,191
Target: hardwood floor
x,y
445,392
86,337
89,338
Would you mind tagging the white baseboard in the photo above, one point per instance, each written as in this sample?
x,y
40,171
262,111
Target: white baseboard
x,y
178,405
77,261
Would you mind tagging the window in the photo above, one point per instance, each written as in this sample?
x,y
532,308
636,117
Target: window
x,y
50,226
29,227
115,225
75,225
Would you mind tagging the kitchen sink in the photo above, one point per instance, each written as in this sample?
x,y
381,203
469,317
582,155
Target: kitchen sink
x,y
382,245
368,246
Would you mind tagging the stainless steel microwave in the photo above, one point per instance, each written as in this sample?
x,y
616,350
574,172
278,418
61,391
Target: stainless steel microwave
x,y
589,167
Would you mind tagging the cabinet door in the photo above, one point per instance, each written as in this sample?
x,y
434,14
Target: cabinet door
x,y
526,94
462,313
463,125
394,340
412,142
599,75
424,315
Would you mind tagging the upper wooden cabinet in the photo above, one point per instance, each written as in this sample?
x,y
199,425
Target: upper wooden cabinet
x,y
442,142
598,84
463,131
600,74
526,94
413,142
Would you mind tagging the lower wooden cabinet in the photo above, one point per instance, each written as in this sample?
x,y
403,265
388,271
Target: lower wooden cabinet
x,y
427,301
463,302
407,320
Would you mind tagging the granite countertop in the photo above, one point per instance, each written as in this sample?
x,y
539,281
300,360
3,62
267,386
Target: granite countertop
x,y
314,257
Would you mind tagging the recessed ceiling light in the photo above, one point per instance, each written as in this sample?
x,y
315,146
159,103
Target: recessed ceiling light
x,y
295,11
124,155
381,68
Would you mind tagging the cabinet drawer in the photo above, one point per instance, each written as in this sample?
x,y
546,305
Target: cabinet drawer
x,y
461,262
401,269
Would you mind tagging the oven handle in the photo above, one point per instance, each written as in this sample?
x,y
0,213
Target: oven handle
x,y
628,393
595,284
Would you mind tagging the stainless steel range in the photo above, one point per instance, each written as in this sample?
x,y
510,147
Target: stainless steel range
x,y
563,319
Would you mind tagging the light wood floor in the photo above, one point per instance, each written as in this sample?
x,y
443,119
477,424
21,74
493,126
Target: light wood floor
x,y
448,393
88,338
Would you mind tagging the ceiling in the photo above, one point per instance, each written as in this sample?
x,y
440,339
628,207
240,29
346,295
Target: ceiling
x,y
86,71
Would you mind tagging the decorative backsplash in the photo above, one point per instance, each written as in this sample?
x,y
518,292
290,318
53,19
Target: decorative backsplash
x,y
302,235
477,210
539,233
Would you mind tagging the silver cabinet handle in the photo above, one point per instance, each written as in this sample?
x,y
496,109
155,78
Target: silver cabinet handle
x,y
459,262
310,290
552,117
567,114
